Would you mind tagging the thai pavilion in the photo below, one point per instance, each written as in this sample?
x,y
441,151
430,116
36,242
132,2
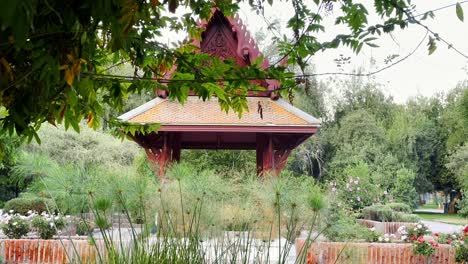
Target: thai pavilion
x,y
273,132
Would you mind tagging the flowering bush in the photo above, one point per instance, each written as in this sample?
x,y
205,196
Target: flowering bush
x,y
47,225
415,236
410,233
447,238
418,230
14,226
357,189
386,238
461,246
422,247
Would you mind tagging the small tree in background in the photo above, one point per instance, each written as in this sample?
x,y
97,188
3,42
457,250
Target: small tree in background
x,y
404,190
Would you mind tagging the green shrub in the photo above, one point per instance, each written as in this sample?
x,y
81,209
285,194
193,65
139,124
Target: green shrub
x,y
343,227
47,225
403,217
394,212
378,212
23,205
400,207
83,228
463,204
15,227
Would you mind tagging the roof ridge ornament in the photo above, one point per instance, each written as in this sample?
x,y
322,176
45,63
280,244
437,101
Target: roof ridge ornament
x,y
228,37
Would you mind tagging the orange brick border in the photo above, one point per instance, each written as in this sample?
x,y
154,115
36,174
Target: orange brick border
x,y
371,253
47,251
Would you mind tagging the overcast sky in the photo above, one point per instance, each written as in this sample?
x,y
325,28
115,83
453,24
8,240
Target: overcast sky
x,y
420,74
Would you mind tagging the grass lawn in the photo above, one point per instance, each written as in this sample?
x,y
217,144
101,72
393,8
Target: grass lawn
x,y
428,206
444,218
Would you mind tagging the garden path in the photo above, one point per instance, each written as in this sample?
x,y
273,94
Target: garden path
x,y
436,211
438,227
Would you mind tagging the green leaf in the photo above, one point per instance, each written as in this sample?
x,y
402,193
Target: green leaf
x,y
459,12
431,45
372,45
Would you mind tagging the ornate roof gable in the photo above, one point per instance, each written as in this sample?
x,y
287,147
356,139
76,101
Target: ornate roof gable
x,y
228,37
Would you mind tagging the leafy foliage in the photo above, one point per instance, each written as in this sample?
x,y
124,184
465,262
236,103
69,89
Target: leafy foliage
x,y
69,82
389,213
47,225
404,190
15,227
23,205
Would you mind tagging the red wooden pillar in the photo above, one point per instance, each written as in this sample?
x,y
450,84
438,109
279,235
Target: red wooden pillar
x,y
160,156
176,147
265,160
271,159
260,139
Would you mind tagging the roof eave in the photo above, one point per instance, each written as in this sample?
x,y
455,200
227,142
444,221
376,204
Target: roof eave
x,y
311,129
141,109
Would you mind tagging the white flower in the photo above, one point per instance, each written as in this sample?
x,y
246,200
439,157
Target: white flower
x,y
356,182
387,239
358,188
358,199
57,218
454,236
351,179
419,226
29,212
372,229
347,185
14,223
333,189
51,224
380,239
11,211
404,237
67,216
385,192
349,189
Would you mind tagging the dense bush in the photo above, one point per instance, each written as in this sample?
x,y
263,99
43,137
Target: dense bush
x,y
394,212
47,226
14,226
23,205
341,224
83,227
400,207
87,147
358,189
404,217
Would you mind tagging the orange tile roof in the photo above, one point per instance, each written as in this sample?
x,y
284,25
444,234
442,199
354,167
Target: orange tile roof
x,y
195,111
